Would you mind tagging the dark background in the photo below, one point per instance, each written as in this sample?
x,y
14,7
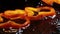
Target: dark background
x,y
21,4
16,4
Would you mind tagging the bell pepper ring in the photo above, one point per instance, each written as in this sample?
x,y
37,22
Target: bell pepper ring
x,y
47,11
40,14
14,14
28,14
31,13
13,24
50,2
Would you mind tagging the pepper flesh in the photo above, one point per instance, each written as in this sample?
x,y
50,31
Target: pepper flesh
x,y
50,2
30,12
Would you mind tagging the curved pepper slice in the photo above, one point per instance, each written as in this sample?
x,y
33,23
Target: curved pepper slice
x,y
50,2
41,14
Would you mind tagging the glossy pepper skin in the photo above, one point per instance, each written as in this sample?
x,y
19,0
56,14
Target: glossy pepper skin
x,y
12,15
30,13
41,14
47,11
57,1
27,14
50,2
